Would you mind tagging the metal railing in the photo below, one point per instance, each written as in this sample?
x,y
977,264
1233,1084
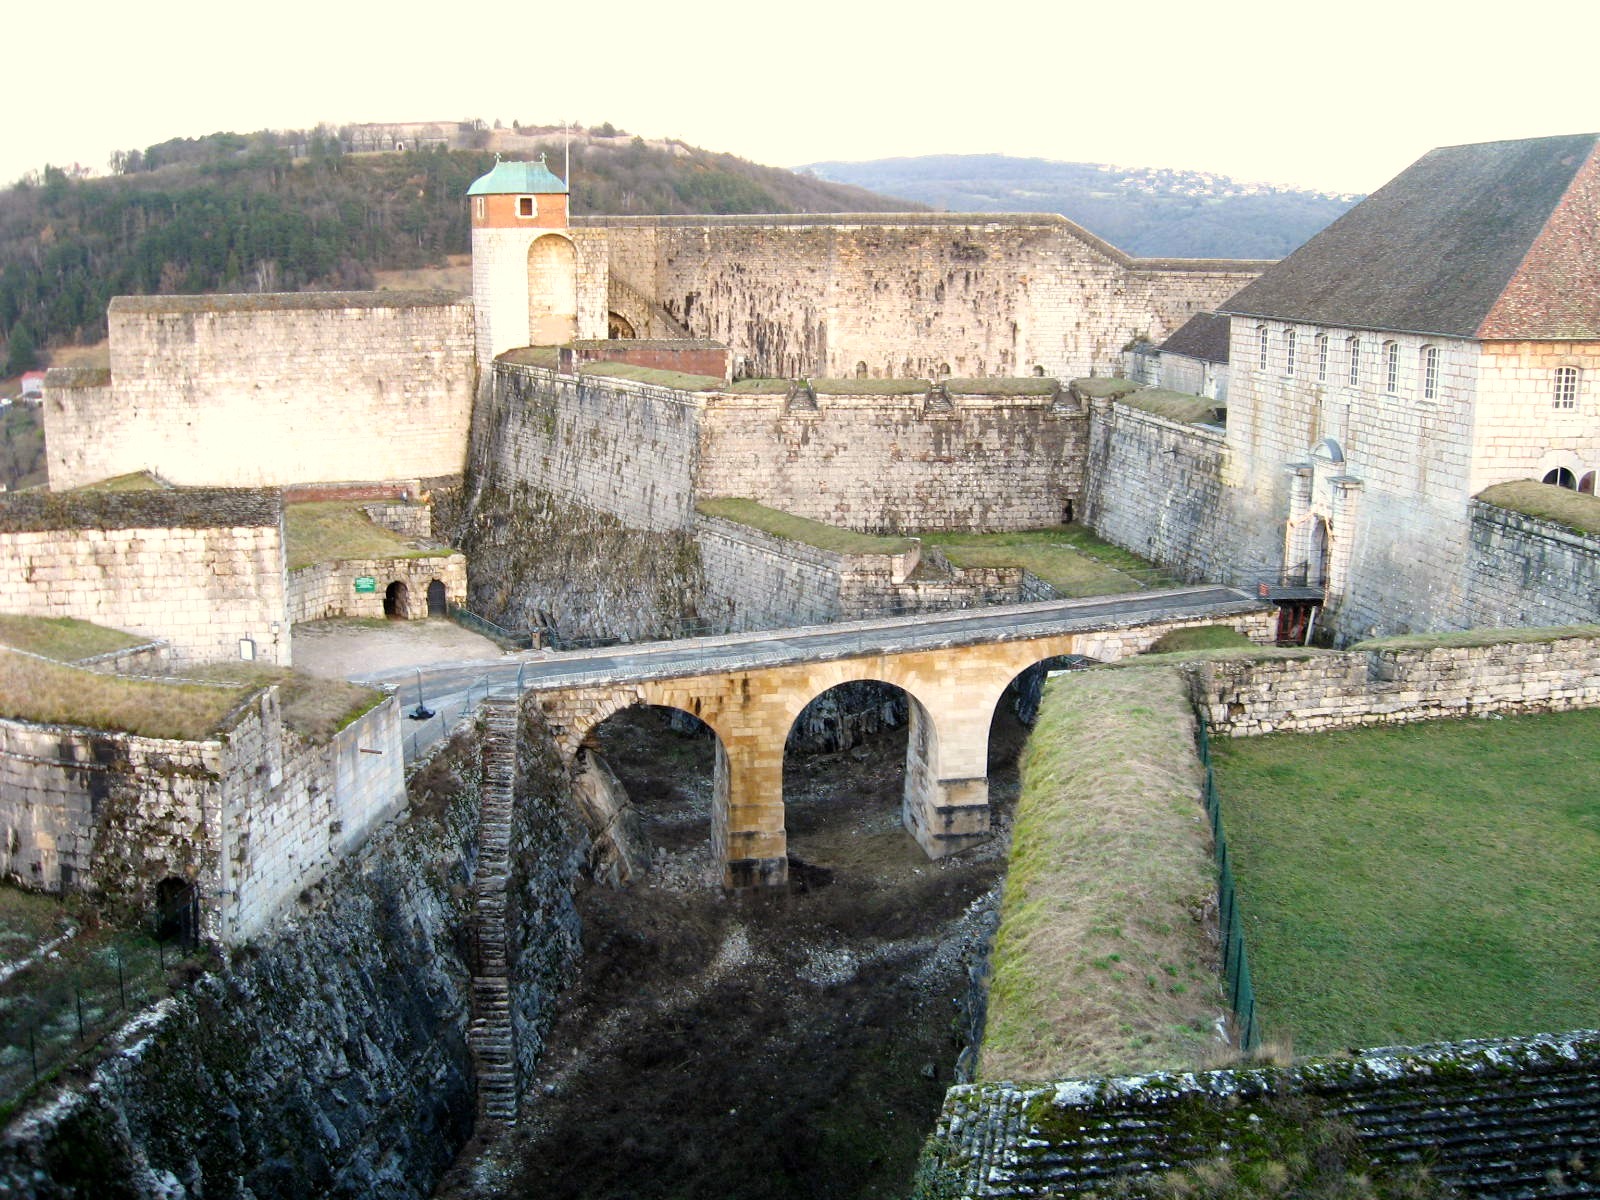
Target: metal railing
x,y
58,1007
1230,926
511,639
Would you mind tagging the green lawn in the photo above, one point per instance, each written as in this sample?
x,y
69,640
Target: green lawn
x,y
65,639
1067,557
801,529
1407,884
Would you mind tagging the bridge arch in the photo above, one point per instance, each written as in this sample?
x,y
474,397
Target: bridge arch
x,y
647,777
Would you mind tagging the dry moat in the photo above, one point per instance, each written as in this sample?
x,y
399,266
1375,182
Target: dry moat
x,y
789,1045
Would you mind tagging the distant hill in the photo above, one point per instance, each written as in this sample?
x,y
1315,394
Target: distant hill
x,y
1147,212
285,211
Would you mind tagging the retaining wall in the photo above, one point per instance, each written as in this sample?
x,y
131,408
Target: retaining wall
x,y
250,817
1525,571
892,464
1155,487
199,568
328,589
1339,689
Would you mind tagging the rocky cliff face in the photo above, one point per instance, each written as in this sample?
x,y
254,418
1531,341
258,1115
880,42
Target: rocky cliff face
x,y
330,1058
536,561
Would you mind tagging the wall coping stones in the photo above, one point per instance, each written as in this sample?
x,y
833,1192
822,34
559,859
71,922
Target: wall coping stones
x,y
1514,1107
279,301
77,377
186,508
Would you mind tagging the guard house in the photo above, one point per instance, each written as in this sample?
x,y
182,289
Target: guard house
x,y
524,265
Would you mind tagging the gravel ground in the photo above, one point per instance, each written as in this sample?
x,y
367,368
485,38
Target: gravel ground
x,y
341,648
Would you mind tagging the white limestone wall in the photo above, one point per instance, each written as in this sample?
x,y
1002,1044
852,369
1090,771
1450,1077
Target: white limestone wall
x,y
251,817
328,589
272,390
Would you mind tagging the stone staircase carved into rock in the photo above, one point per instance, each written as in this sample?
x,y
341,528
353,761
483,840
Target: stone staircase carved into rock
x,y
490,1035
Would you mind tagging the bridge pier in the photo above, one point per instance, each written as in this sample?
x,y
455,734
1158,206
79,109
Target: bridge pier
x,y
747,830
945,806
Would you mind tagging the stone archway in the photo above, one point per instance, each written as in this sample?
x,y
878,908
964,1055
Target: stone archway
x,y
397,601
438,602
619,327
552,291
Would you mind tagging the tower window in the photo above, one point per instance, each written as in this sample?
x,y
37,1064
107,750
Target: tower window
x,y
1566,387
524,206
479,205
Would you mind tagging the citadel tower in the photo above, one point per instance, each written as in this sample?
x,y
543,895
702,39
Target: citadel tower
x,y
524,265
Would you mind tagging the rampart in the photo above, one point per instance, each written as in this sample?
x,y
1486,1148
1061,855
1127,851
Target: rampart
x,y
882,463
893,464
630,450
901,295
249,817
1527,571
200,568
1155,487
269,389
1497,671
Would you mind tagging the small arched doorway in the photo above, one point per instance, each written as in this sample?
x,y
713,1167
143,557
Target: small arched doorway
x,y
396,601
1317,559
618,326
177,916
437,606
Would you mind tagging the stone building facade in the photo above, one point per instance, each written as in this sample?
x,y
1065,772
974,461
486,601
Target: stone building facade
x,y
1441,337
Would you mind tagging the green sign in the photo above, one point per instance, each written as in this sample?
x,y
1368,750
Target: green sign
x,y
366,583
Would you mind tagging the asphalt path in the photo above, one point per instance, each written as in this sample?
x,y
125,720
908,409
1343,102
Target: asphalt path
x,y
451,690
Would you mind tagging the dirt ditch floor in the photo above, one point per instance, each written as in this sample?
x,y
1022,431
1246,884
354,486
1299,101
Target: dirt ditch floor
x,y
796,1045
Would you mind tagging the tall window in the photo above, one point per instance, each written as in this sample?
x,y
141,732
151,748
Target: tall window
x,y
1566,387
1430,372
1261,347
1322,358
1288,353
1391,367
1352,350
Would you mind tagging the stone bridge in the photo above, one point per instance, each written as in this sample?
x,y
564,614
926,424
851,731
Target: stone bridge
x,y
953,668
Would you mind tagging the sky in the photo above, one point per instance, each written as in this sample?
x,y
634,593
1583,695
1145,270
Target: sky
x,y
1338,98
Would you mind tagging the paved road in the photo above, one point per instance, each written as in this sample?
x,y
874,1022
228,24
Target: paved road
x,y
451,690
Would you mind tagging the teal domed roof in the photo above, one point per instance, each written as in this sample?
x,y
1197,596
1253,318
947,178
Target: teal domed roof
x,y
518,178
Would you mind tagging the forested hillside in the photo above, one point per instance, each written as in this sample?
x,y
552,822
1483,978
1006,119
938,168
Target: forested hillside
x,y
1147,211
236,213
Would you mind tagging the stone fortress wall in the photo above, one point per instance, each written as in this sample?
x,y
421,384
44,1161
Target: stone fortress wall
x,y
269,389
899,295
250,817
201,568
327,589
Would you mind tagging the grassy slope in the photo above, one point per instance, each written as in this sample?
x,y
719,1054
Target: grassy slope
x,y
801,529
326,530
65,639
1548,502
1068,557
1429,881
1100,964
